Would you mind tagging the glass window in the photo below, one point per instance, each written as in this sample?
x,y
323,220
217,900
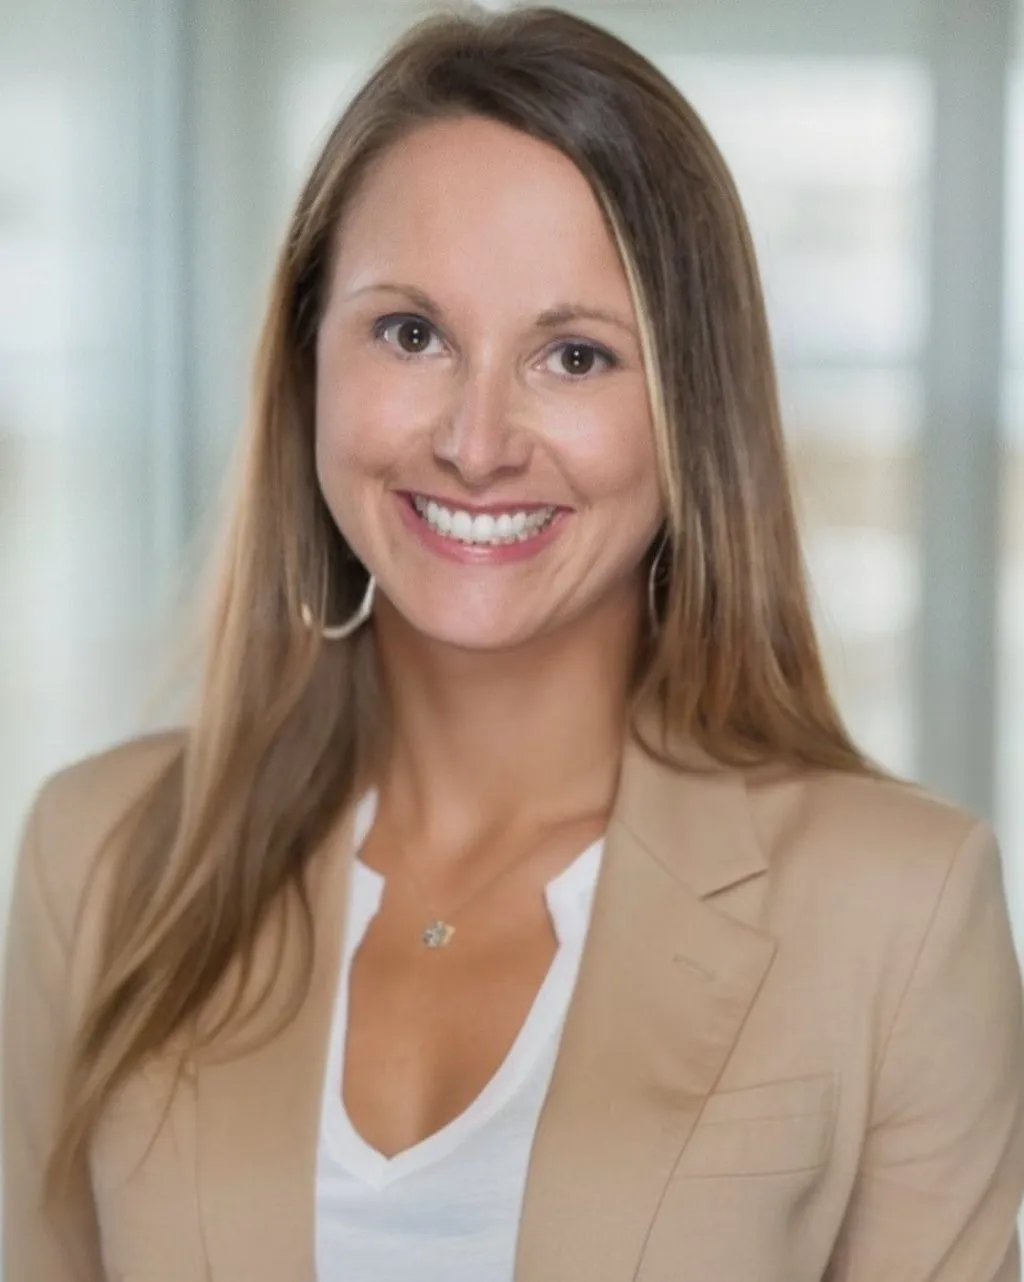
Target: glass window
x,y
1011,651
74,530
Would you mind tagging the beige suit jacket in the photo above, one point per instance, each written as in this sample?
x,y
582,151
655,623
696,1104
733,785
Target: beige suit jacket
x,y
794,1053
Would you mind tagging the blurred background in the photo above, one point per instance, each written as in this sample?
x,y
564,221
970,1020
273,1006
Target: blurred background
x,y
149,151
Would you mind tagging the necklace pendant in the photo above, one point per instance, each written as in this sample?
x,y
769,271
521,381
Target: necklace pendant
x,y
437,934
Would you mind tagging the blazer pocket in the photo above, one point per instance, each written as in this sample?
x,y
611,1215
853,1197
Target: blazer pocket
x,y
769,1129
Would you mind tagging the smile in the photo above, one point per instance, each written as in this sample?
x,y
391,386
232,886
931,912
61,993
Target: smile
x,y
485,529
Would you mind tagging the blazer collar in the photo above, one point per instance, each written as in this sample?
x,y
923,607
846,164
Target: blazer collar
x,y
664,987
692,816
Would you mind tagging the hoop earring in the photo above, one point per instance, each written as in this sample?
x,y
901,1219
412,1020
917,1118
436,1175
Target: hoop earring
x,y
342,630
652,604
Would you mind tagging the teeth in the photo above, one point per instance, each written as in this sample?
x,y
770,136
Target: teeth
x,y
508,527
439,516
484,527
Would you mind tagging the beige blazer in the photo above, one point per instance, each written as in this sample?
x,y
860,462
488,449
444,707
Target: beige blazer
x,y
794,1053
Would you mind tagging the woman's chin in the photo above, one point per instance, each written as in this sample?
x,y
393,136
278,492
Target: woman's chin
x,y
461,628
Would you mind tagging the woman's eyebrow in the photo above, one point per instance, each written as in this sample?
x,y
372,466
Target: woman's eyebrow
x,y
566,312
415,296
550,318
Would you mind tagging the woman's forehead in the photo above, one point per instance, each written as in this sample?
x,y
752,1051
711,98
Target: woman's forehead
x,y
472,205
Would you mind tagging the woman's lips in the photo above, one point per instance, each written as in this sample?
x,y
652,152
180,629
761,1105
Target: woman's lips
x,y
479,509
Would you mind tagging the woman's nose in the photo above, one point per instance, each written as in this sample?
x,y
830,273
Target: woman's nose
x,y
482,434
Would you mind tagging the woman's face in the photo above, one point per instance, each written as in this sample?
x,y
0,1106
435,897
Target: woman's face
x,y
483,432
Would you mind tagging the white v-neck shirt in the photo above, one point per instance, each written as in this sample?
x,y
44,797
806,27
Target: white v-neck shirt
x,y
447,1209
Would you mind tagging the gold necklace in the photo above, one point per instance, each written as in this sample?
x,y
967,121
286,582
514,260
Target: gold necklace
x,y
438,932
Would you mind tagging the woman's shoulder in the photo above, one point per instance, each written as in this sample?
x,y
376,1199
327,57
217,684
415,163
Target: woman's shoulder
x,y
77,808
99,783
884,841
844,805
874,884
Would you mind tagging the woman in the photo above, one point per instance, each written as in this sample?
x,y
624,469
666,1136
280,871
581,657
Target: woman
x,y
516,905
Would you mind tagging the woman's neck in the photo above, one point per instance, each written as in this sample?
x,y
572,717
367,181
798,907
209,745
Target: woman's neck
x,y
483,739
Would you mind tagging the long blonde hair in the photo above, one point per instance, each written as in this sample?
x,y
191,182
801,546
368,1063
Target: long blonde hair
x,y
284,725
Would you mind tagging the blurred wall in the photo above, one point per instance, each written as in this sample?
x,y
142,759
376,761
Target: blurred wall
x,y
148,154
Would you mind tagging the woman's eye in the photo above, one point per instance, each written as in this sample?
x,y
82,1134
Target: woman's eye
x,y
412,335
578,359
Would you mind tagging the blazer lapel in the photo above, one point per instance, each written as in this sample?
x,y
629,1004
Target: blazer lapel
x,y
259,1112
665,982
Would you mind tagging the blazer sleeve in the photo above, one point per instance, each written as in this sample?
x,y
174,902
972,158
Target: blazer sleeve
x,y
942,1173
55,1243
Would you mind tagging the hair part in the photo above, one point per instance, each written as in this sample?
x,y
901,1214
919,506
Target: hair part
x,y
218,850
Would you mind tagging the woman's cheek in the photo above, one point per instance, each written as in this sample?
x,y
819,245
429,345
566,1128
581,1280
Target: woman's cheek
x,y
609,452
